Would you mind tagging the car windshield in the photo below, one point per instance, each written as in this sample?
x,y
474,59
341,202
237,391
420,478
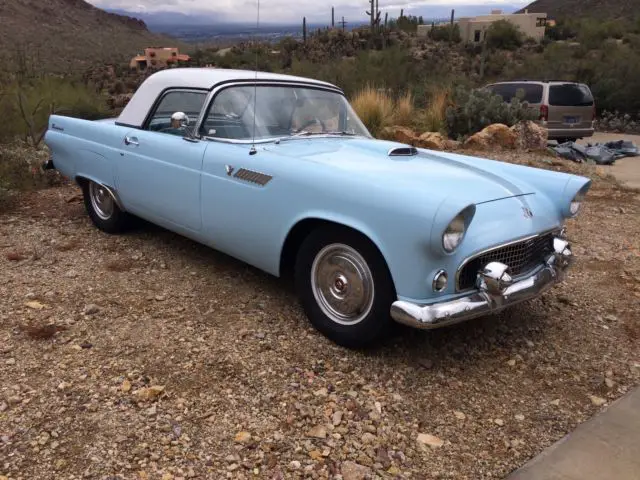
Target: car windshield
x,y
280,111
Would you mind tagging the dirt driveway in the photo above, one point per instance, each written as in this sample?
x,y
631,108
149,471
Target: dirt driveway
x,y
147,356
626,170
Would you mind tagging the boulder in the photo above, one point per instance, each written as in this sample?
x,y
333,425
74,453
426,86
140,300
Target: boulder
x,y
530,136
400,134
432,141
496,135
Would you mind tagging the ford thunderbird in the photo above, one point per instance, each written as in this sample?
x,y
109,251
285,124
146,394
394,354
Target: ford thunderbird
x,y
279,172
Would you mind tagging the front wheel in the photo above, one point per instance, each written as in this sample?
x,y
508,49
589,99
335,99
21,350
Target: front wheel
x,y
344,286
102,208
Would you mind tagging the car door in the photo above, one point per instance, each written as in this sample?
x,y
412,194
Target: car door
x,y
159,169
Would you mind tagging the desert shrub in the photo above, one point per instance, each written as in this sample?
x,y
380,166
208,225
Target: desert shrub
x,y
474,110
375,108
27,104
404,110
21,169
504,35
442,33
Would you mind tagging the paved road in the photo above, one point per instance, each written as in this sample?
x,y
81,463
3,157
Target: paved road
x,y
607,447
626,170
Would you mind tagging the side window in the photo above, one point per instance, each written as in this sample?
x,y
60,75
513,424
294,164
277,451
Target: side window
x,y
187,102
531,93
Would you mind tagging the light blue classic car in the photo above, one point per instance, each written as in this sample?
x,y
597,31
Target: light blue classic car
x,y
279,172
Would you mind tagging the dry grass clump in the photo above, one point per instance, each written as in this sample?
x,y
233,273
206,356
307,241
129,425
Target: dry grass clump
x,y
375,109
434,117
404,111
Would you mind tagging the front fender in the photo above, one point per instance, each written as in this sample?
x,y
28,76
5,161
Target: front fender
x,y
340,219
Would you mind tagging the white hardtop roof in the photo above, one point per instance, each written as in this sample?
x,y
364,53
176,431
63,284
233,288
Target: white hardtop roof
x,y
135,113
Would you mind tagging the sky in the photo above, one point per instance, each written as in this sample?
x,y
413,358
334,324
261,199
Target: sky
x,y
315,10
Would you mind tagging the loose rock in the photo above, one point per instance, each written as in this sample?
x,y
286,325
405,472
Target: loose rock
x,y
430,440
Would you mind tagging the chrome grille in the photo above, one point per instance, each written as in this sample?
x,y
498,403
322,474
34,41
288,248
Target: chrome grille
x,y
521,257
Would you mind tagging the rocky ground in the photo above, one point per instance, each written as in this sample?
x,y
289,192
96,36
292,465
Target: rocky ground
x,y
147,356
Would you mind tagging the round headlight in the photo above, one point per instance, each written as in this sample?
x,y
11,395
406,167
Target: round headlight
x,y
574,208
454,234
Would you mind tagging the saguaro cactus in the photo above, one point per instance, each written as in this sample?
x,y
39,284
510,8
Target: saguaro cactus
x,y
333,18
401,12
304,29
374,14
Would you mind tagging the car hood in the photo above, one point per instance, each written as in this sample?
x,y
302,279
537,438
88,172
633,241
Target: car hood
x,y
471,178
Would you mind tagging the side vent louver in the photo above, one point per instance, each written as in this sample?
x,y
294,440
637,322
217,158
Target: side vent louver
x,y
403,152
253,177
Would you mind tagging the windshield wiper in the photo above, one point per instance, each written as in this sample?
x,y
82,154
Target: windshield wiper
x,y
343,133
305,133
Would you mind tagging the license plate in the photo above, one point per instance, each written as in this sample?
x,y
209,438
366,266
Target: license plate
x,y
571,120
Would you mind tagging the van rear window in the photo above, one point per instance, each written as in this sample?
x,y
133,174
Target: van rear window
x,y
532,92
570,95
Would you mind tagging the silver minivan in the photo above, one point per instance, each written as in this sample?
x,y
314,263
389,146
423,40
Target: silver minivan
x,y
567,109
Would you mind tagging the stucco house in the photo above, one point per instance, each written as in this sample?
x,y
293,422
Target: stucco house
x,y
472,28
158,57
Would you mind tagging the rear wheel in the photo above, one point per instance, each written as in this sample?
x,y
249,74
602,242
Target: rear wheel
x,y
102,208
344,286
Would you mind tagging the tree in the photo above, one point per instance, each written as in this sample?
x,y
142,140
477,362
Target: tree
x,y
503,35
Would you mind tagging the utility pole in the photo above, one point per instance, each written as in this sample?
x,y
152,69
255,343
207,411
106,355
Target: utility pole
x,y
343,23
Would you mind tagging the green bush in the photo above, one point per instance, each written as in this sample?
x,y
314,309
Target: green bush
x,y
504,35
26,105
443,33
473,110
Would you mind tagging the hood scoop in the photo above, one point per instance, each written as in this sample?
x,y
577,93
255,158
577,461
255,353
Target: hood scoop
x,y
403,152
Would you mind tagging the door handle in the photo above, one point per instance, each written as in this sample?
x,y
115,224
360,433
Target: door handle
x,y
131,141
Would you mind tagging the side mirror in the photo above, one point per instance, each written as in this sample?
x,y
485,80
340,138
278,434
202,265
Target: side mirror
x,y
179,120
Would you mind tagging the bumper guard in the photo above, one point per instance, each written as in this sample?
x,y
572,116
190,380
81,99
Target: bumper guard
x,y
496,290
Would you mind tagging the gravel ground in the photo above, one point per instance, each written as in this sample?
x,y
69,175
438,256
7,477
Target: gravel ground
x,y
147,356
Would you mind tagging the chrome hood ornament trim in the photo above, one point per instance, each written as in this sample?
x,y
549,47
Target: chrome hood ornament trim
x,y
403,152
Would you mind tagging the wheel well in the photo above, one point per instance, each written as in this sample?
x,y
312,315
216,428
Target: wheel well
x,y
298,233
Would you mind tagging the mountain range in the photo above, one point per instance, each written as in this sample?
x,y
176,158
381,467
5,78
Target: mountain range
x,y
602,9
60,36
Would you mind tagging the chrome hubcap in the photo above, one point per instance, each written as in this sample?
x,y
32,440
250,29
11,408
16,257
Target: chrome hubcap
x,y
342,284
101,201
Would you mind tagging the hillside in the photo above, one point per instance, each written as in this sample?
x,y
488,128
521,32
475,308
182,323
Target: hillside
x,y
70,35
603,9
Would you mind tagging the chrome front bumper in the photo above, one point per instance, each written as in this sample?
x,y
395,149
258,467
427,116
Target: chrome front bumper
x,y
496,290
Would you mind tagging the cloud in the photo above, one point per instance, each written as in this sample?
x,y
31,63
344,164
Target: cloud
x,y
294,10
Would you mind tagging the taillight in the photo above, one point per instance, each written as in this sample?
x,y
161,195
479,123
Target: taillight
x,y
594,114
544,113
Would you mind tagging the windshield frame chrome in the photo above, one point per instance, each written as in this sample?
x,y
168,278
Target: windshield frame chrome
x,y
269,83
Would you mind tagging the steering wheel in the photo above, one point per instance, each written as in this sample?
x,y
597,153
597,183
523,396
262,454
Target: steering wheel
x,y
313,121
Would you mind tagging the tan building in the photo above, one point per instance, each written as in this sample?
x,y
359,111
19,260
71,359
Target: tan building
x,y
158,57
472,28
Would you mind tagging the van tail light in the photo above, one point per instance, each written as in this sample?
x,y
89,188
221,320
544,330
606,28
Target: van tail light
x,y
594,113
544,113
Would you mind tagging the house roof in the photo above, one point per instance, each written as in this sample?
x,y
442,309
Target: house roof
x,y
135,113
